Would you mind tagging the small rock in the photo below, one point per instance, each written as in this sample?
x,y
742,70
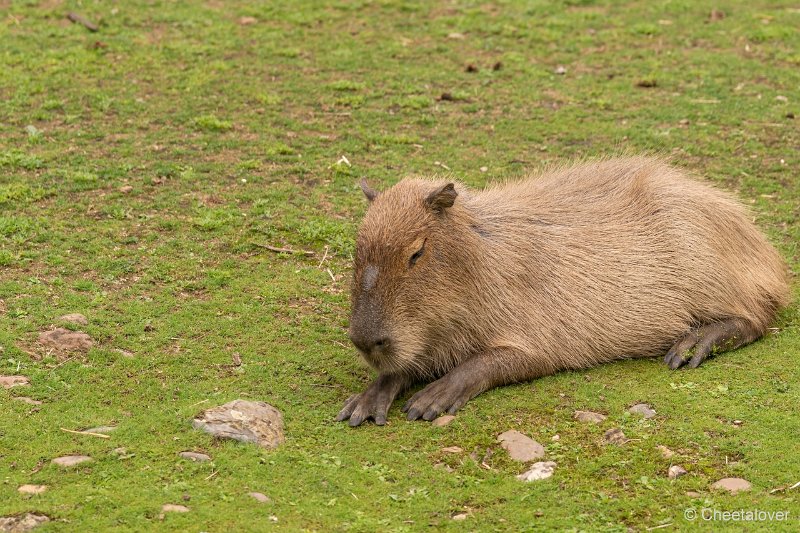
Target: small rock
x,y
32,489
588,416
71,460
684,122
716,15
443,466
693,494
738,423
542,470
560,70
124,353
781,98
75,318
101,429
666,452
245,421
676,471
260,498
471,68
460,516
247,21
14,381
615,436
125,189
555,438
452,449
443,420
29,401
732,485
642,409
172,508
520,447
66,340
456,36
22,523
195,456
484,169
497,66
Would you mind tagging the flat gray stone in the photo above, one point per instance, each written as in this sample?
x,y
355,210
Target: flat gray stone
x,y
538,471
245,421
8,382
665,452
74,318
732,485
195,456
520,447
443,420
588,416
66,341
642,409
22,523
71,460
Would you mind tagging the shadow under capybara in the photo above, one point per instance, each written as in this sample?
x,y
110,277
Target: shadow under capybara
x,y
601,261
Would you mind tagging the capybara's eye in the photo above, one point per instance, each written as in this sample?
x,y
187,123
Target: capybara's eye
x,y
416,256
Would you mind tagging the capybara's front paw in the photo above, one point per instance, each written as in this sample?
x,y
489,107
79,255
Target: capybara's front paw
x,y
361,407
444,394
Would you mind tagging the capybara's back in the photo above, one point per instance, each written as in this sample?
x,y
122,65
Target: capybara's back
x,y
595,262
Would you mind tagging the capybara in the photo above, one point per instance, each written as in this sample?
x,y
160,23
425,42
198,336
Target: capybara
x,y
574,267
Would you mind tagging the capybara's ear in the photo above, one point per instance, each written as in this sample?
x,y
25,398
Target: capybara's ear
x,y
369,192
442,198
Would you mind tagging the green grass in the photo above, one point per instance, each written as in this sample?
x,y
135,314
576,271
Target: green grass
x,y
229,136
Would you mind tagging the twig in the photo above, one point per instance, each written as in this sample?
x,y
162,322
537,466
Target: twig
x,y
328,270
198,403
86,433
86,23
214,473
659,527
324,257
278,250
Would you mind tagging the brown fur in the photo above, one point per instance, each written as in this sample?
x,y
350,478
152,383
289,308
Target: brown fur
x,y
568,269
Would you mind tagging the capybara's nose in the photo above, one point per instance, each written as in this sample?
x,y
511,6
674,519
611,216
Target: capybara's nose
x,y
367,343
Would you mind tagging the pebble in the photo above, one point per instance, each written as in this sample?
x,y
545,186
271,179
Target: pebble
x,y
665,452
66,340
195,456
32,489
642,409
460,516
75,318
29,401
443,420
172,508
71,460
588,416
245,421
22,523
14,381
676,471
520,447
615,436
260,498
542,470
452,449
732,485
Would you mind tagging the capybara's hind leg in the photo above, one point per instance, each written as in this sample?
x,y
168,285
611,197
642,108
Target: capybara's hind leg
x,y
712,338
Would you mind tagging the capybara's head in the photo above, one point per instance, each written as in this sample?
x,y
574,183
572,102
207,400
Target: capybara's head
x,y
405,274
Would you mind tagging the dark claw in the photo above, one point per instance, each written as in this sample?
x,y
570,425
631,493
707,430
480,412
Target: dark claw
x,y
380,420
413,413
356,420
430,414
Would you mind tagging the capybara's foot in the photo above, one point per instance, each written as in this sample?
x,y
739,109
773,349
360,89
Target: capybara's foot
x,y
710,339
374,402
445,394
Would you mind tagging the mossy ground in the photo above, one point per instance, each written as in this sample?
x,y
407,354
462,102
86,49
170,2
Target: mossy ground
x,y
228,132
